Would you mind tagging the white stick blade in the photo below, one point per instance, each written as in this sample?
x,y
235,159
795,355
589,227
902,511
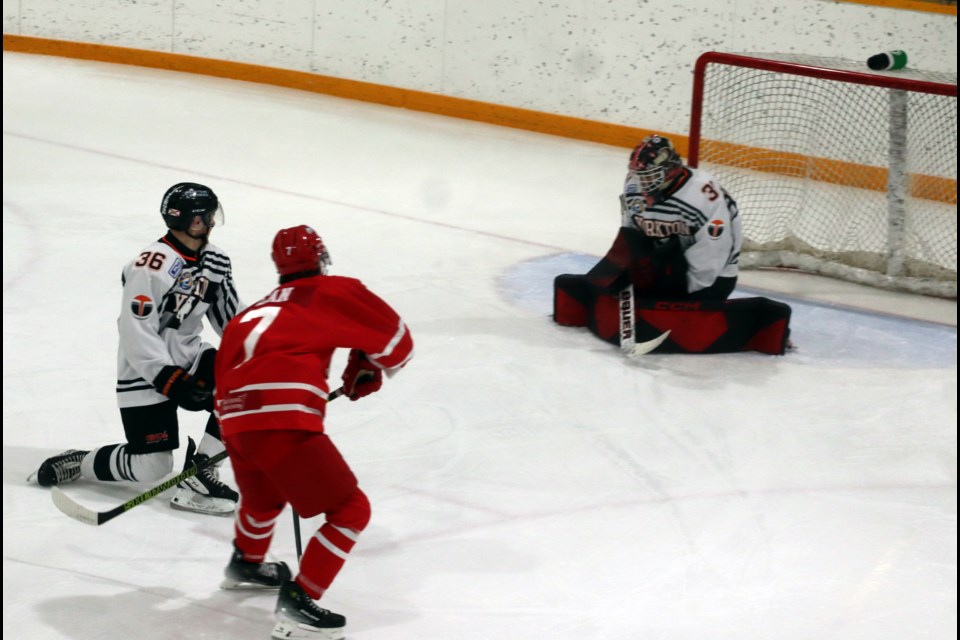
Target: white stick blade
x,y
71,508
642,348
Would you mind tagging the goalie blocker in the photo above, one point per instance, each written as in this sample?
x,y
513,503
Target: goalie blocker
x,y
696,326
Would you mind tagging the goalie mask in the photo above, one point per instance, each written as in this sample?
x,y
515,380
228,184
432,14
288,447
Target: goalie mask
x,y
185,201
654,163
299,250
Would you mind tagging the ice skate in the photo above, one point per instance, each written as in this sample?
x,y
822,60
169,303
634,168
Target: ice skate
x,y
241,574
204,493
299,617
61,468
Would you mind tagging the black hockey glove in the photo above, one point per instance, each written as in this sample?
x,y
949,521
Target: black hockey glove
x,y
188,391
361,377
670,264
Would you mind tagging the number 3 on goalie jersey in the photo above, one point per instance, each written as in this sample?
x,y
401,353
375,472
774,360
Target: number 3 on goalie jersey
x,y
265,317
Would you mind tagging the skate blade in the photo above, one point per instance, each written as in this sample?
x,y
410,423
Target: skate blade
x,y
207,511
293,631
186,500
233,585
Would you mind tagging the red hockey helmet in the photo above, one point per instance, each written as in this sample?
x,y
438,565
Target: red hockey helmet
x,y
300,250
654,163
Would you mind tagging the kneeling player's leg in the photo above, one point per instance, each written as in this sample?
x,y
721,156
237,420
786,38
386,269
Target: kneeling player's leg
x,y
152,434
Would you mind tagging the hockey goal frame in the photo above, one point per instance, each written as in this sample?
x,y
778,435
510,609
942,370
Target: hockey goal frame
x,y
895,269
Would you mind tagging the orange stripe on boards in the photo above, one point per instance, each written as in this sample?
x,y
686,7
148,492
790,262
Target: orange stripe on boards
x,y
833,171
908,5
538,121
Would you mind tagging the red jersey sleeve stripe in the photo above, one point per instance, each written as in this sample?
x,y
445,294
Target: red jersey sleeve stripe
x,y
398,350
271,386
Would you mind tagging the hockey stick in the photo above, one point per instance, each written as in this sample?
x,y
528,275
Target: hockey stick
x,y
296,518
67,505
70,507
296,534
628,340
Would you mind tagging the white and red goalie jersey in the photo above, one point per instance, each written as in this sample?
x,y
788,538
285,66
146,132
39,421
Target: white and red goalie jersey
x,y
274,358
701,214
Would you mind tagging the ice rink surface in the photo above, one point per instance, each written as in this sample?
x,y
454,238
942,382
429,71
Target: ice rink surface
x,y
526,480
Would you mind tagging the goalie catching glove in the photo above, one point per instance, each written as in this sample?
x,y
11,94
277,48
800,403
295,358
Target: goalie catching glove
x,y
361,377
187,391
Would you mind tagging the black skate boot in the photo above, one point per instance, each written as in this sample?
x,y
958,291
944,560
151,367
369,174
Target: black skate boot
x,y
241,574
62,468
299,617
204,493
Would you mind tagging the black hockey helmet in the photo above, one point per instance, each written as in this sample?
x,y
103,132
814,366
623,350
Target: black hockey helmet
x,y
654,163
184,201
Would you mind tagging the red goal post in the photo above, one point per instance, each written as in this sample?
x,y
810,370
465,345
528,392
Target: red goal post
x,y
836,169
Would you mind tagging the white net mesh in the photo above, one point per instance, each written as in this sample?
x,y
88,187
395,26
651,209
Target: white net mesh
x,y
836,169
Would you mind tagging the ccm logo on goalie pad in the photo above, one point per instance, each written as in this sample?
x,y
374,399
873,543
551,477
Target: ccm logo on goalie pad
x,y
141,306
676,306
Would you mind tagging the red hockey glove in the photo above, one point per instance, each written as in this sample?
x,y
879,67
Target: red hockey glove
x,y
361,377
187,391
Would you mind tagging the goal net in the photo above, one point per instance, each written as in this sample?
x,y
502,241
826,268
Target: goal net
x,y
836,169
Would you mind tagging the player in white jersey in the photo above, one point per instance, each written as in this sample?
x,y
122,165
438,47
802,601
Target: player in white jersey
x,y
692,222
162,362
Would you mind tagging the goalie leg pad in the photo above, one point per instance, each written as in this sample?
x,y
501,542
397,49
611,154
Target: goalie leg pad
x,y
728,326
698,326
631,258
603,318
572,294
702,322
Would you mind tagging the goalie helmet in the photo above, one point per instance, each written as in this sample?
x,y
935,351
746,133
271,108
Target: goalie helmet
x,y
300,250
186,200
654,163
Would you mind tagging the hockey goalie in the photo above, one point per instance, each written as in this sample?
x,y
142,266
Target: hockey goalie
x,y
675,255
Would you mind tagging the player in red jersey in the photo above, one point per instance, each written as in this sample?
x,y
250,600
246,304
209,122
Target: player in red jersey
x,y
271,395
